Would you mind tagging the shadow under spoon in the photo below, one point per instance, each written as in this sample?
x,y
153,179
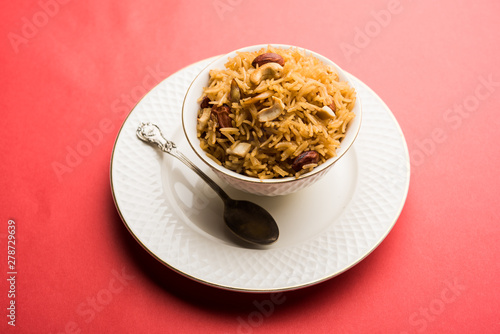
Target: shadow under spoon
x,y
247,220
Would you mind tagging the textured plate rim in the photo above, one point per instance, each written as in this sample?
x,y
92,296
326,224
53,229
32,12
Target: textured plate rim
x,y
402,200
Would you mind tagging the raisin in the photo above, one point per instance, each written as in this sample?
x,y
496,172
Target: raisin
x,y
222,114
205,103
306,158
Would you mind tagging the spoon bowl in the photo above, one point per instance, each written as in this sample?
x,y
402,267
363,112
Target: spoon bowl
x,y
248,221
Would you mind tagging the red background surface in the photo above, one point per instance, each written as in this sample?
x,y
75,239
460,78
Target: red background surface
x,y
70,68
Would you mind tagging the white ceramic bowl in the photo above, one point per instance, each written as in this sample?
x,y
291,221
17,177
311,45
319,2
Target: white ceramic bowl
x,y
268,187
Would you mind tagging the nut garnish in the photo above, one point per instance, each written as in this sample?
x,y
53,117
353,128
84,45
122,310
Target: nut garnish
x,y
266,71
235,93
204,118
239,149
333,107
326,112
272,112
257,98
269,57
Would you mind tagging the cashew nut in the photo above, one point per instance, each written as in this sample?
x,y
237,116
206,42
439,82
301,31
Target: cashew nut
x,y
272,112
266,71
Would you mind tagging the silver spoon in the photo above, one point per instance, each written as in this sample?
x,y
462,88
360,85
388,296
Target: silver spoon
x,y
245,219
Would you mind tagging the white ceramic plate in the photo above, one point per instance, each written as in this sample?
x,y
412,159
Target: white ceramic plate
x,y
324,229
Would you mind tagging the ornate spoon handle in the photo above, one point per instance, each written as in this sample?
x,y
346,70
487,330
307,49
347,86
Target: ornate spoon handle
x,y
151,133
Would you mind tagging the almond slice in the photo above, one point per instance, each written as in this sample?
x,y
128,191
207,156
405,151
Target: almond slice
x,y
240,149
